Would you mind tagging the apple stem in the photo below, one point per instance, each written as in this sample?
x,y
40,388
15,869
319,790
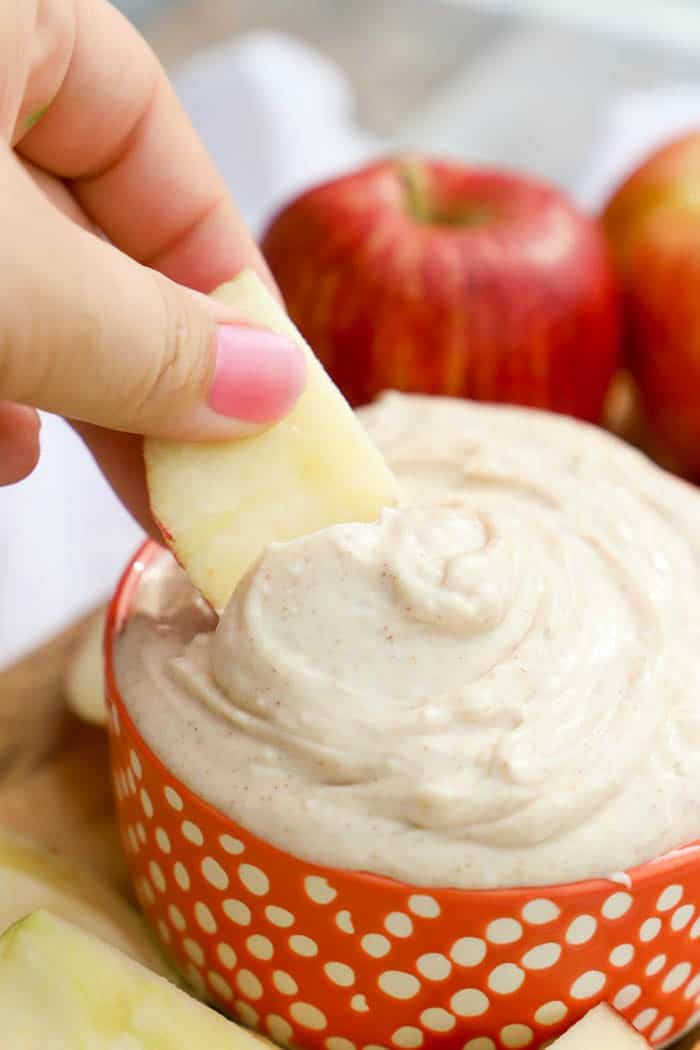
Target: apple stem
x,y
413,176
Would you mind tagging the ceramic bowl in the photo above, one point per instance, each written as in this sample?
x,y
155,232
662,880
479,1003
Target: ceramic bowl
x,y
329,959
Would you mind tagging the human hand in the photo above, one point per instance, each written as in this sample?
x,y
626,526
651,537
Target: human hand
x,y
92,139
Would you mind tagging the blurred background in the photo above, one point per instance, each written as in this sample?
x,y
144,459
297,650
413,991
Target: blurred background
x,y
288,92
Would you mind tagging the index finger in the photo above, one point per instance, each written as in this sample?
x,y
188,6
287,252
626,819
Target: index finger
x,y
116,132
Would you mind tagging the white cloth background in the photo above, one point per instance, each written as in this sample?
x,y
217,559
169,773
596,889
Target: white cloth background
x,y
277,117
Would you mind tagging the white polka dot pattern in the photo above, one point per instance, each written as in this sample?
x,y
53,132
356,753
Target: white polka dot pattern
x,y
506,979
309,963
247,1013
285,983
622,955
260,947
656,965
163,840
617,905
399,924
676,977
682,916
516,1035
541,911
627,996
649,929
308,1016
254,880
226,955
468,951
192,833
469,1002
157,876
146,804
435,1019
670,897
504,931
319,889
542,957
281,1031
214,873
248,984
581,930
551,1013
340,974
407,1038
645,1018
164,931
399,985
279,916
302,945
335,1042
231,845
376,945
422,905
588,985
237,911
173,799
194,950
182,877
434,966
220,985
662,1029
204,917
177,919
343,921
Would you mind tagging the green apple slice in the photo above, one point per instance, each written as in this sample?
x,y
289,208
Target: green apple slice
x,y
220,505
601,1029
63,989
32,878
84,684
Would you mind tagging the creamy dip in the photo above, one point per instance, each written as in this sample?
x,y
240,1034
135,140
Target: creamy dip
x,y
497,684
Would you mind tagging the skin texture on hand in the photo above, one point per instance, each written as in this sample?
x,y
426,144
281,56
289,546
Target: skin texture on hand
x,y
107,198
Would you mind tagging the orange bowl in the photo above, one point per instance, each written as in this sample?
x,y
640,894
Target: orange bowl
x,y
343,960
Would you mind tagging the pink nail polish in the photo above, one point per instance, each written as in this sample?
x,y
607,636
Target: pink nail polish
x,y
259,375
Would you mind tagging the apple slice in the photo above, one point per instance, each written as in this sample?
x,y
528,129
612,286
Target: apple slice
x,y
63,989
84,684
31,878
601,1029
220,505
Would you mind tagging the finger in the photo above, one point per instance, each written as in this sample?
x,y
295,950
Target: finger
x,y
19,442
58,193
116,130
90,334
120,458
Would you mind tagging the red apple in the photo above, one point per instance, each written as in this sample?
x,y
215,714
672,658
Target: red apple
x,y
653,224
429,276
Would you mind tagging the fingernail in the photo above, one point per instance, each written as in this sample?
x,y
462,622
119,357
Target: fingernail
x,y
258,376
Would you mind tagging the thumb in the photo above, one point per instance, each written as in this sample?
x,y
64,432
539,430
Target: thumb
x,y
88,333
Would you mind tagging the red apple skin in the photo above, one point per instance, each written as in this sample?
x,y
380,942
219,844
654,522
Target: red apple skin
x,y
499,289
653,224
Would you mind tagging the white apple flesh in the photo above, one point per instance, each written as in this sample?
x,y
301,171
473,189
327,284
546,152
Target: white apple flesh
x,y
601,1029
31,878
220,505
84,684
63,989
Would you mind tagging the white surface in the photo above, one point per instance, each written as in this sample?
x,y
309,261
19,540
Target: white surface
x,y
63,536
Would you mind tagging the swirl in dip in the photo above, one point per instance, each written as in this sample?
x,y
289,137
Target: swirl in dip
x,y
497,684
